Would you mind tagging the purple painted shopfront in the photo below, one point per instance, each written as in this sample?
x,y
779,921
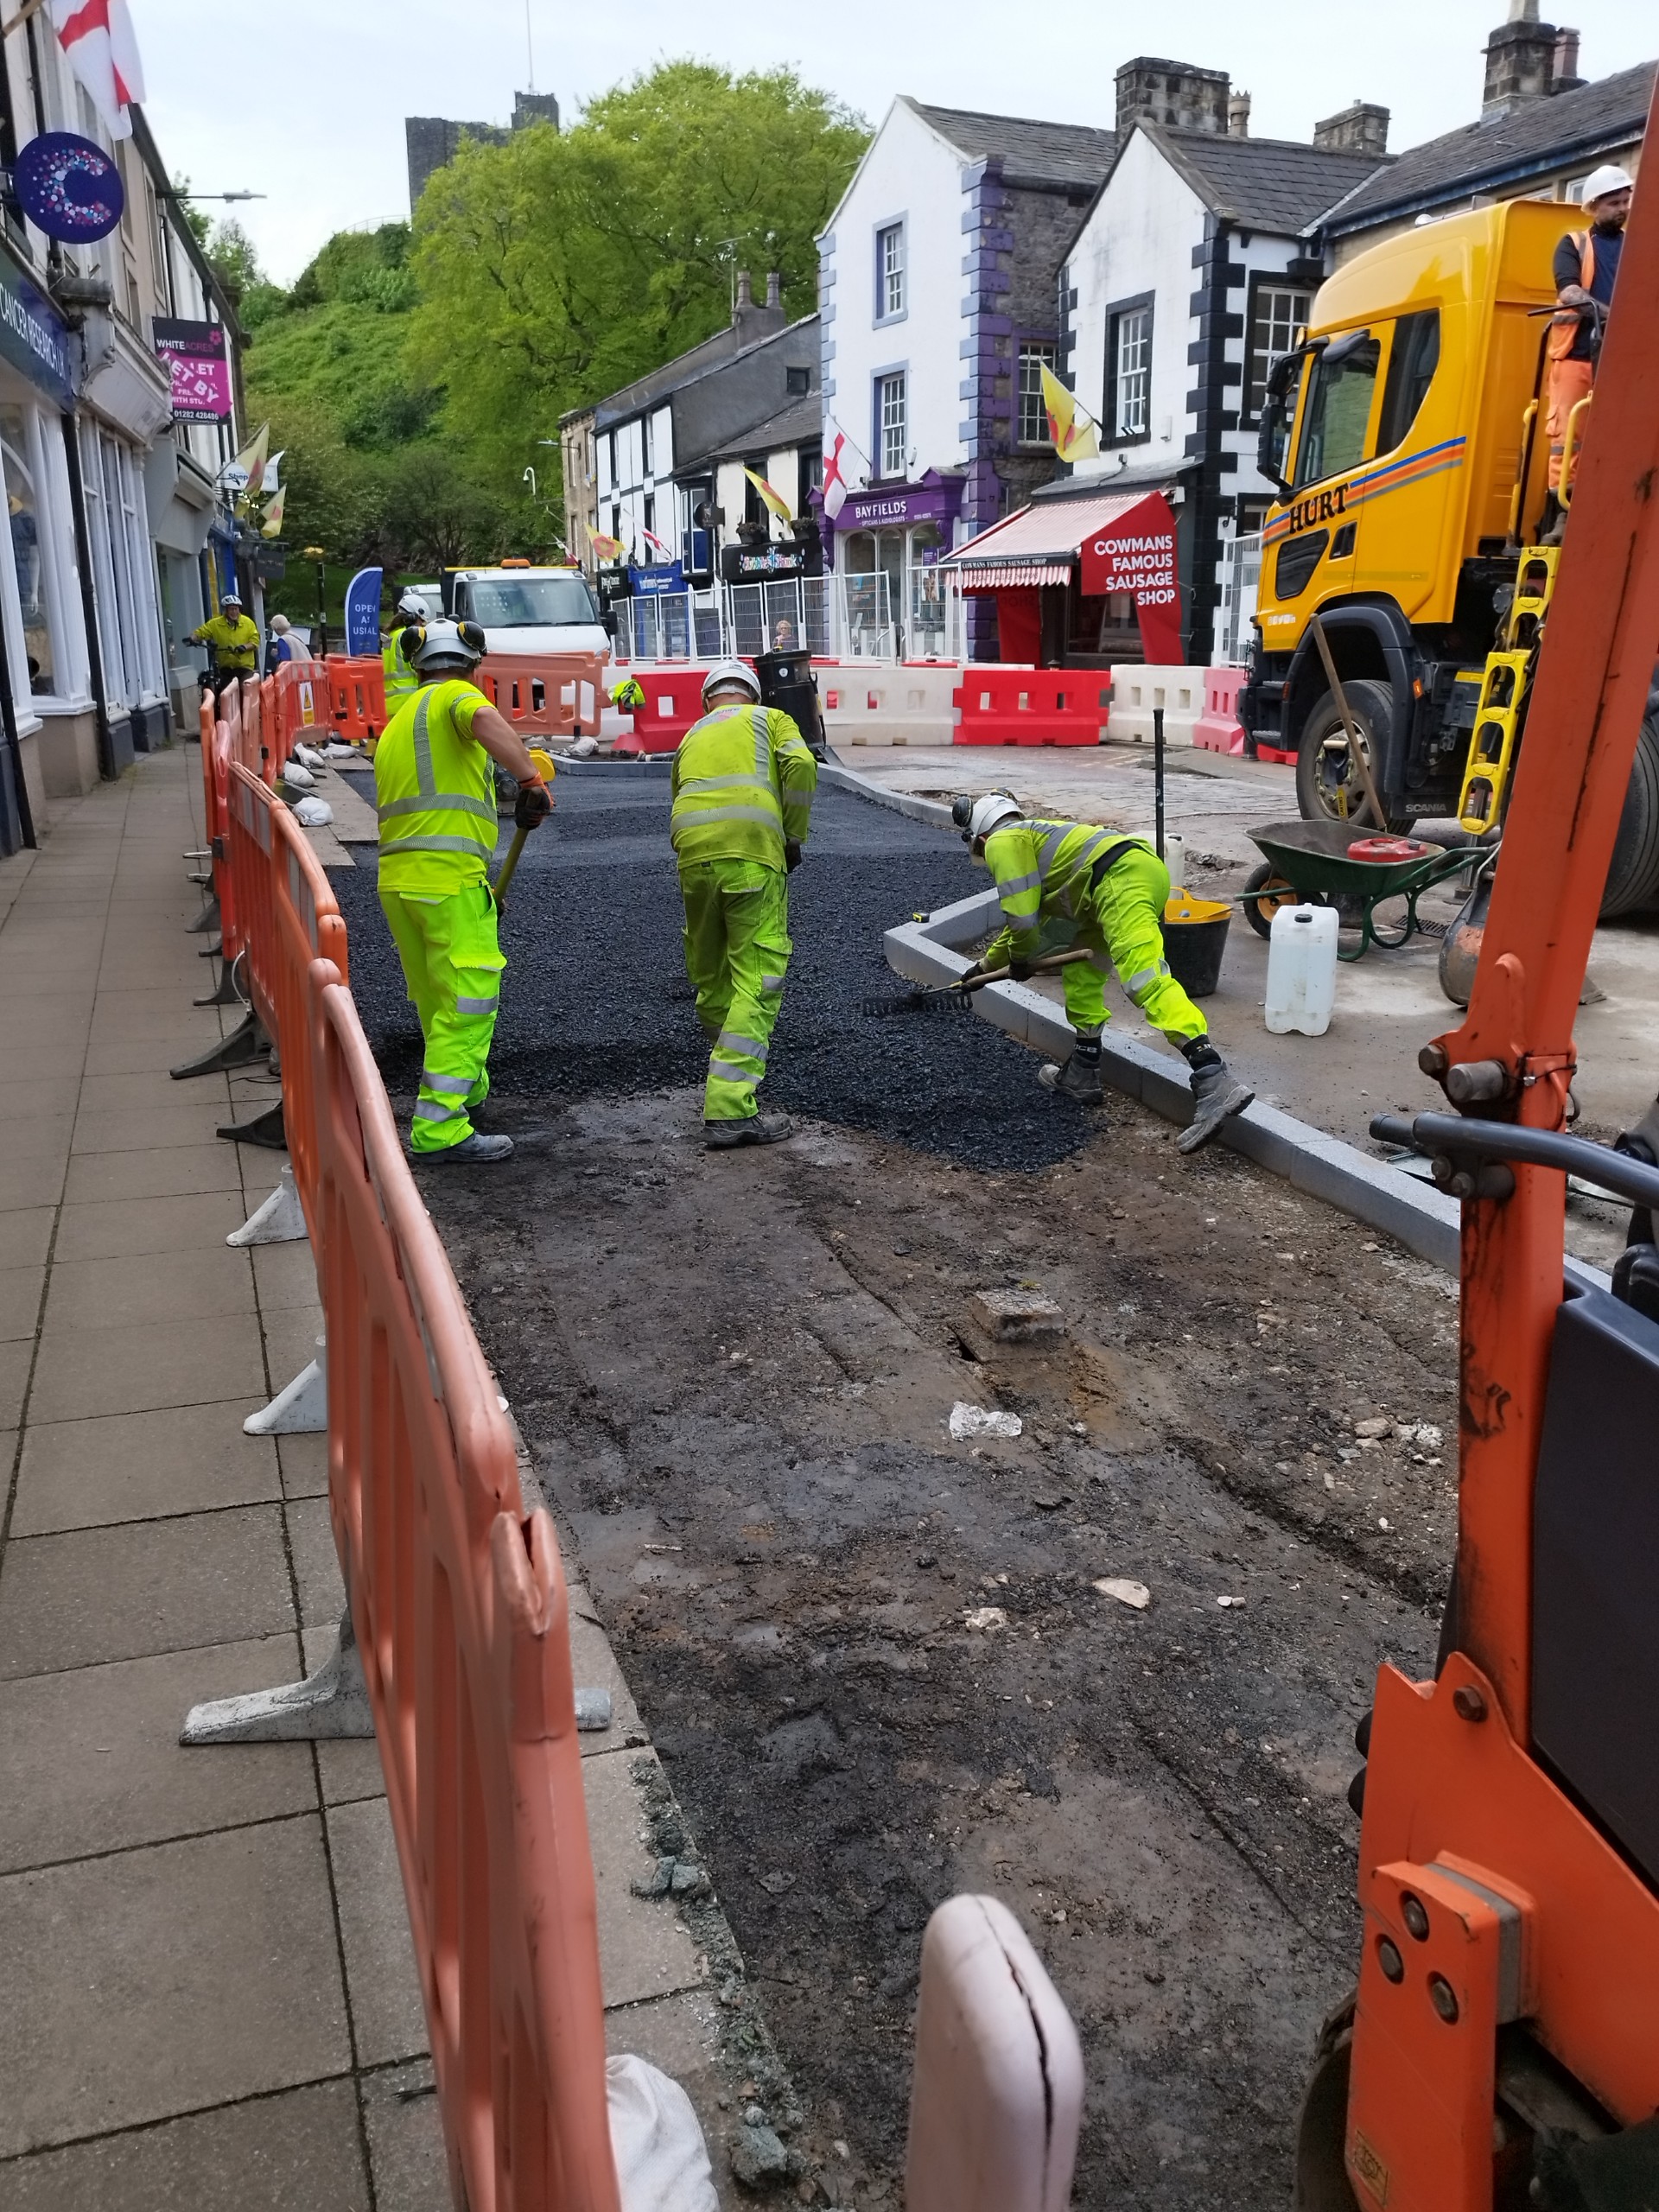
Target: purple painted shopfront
x,y
893,534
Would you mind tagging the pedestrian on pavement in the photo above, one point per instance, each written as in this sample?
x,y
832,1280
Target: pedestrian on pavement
x,y
409,613
435,793
284,644
233,640
743,779
1586,268
1112,890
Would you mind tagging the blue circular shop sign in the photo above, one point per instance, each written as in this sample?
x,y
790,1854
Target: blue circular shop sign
x,y
69,188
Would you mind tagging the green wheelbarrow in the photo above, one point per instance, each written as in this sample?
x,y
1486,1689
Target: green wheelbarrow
x,y
1310,863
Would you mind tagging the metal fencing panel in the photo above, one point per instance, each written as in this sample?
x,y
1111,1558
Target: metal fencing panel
x,y
1241,586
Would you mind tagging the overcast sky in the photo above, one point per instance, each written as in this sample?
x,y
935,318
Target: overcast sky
x,y
304,99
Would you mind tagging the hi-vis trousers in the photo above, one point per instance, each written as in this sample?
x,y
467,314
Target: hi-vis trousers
x,y
736,952
1122,918
452,964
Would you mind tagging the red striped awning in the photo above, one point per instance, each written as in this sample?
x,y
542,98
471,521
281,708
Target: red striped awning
x,y
1040,544
997,575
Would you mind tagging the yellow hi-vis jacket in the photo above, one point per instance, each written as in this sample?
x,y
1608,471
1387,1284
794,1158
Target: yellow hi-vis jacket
x,y
400,678
235,645
1042,871
743,780
435,793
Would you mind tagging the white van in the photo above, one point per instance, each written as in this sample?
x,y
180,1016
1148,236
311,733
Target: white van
x,y
527,610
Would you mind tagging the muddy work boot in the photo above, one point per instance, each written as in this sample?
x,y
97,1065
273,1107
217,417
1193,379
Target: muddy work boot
x,y
1079,1078
1216,1095
759,1128
472,1152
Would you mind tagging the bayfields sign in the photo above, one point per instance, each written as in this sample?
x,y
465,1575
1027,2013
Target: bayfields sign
x,y
1136,554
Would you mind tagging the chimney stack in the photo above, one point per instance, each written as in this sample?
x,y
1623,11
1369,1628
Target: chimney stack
x,y
774,288
1520,60
1361,128
1173,92
1566,77
745,296
1238,115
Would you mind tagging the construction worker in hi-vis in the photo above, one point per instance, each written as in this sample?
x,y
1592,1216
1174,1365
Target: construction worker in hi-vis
x,y
435,793
743,780
1108,892
409,613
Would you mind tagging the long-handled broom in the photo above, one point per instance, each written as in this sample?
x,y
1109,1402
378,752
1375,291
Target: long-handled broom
x,y
958,998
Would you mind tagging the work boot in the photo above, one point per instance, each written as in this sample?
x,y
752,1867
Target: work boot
x,y
758,1128
1079,1078
473,1150
1216,1095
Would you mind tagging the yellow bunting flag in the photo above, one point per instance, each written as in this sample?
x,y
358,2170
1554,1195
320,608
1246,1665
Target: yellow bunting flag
x,y
1071,428
607,549
774,501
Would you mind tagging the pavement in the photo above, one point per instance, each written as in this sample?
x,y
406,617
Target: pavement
x,y
210,1991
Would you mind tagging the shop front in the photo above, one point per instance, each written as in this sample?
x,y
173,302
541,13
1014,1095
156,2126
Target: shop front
x,y
1081,582
887,544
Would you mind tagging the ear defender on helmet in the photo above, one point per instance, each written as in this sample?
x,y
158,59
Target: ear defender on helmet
x,y
410,640
961,813
472,636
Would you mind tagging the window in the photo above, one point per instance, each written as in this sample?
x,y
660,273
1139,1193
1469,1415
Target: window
x,y
616,523
534,603
1128,369
798,383
890,272
890,422
610,448
18,452
754,507
1278,318
1337,407
808,476
1412,359
1033,414
650,516
645,445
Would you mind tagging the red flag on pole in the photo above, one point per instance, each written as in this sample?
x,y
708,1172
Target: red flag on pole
x,y
98,37
835,484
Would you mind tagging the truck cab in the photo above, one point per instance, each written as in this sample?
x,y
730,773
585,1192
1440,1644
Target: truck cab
x,y
528,611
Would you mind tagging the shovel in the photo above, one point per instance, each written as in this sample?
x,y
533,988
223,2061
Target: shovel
x,y
500,886
958,998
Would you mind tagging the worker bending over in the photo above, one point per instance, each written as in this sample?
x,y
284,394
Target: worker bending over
x,y
743,780
435,793
401,682
1113,889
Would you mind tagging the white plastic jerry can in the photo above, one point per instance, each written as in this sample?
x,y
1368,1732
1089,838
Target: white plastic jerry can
x,y
1302,969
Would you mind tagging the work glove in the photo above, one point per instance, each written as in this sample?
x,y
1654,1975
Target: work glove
x,y
628,694
1022,970
972,975
792,854
534,805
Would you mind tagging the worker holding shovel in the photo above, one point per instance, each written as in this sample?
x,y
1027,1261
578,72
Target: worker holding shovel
x,y
435,793
1113,890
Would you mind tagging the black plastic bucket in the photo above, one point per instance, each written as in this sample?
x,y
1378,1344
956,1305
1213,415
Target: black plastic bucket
x,y
1195,938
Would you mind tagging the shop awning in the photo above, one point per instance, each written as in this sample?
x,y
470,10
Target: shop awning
x,y
1041,543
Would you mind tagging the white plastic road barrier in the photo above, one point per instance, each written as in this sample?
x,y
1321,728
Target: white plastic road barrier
x,y
881,704
301,1407
997,2097
1137,689
279,1220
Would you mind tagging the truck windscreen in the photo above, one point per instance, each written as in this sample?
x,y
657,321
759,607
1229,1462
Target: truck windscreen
x,y
1338,409
530,602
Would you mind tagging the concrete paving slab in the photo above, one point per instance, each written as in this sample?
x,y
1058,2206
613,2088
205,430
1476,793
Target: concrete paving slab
x,y
290,1342
170,1171
129,1958
39,1098
154,1051
285,1277
304,1464
643,1948
193,1118
387,2015
411,2173
93,1762
140,1366
297,2151
593,1667
317,1565
150,1087
20,1301
154,1287
124,1228
89,1474
50,1057
149,1586
14,1362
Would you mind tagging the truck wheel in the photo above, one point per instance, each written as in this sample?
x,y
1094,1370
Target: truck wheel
x,y
1323,768
1633,875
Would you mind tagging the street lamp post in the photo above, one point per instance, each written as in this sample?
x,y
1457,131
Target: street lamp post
x,y
317,553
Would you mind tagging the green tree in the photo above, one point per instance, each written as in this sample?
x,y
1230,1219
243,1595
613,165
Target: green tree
x,y
559,266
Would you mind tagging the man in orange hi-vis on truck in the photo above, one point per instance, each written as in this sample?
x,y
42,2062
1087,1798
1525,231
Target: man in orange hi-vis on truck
x,y
1586,268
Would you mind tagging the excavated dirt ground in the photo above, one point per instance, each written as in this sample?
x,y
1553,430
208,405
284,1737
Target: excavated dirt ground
x,y
735,1373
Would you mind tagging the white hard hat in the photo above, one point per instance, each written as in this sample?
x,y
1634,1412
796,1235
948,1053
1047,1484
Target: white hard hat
x,y
459,643
414,607
1608,178
732,672
977,818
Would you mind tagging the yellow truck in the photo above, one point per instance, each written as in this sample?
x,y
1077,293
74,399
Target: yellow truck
x,y
1406,434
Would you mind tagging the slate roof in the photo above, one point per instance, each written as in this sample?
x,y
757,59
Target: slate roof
x,y
800,423
1046,153
687,368
1263,184
1531,139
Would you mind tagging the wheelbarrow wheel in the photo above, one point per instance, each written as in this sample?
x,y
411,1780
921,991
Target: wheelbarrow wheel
x,y
1325,770
1275,891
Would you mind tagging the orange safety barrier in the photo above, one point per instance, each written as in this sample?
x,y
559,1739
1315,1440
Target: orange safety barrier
x,y
1218,728
219,754
1031,706
544,694
459,1606
673,702
296,704
357,695
288,917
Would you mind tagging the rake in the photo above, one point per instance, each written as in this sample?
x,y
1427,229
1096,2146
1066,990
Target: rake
x,y
958,998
